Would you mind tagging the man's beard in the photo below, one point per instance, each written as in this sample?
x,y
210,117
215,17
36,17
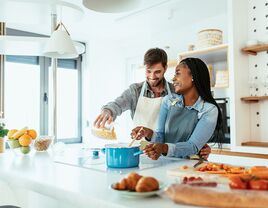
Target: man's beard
x,y
156,83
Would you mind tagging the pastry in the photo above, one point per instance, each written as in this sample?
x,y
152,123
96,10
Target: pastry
x,y
146,184
132,181
122,185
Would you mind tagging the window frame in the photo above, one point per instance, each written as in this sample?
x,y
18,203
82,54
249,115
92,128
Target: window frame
x,y
44,64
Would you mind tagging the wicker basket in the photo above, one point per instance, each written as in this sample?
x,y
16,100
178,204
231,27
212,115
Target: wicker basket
x,y
209,37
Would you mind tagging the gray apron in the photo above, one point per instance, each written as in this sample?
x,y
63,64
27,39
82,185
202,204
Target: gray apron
x,y
180,123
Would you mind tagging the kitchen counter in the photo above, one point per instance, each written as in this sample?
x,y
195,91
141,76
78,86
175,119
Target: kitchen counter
x,y
35,180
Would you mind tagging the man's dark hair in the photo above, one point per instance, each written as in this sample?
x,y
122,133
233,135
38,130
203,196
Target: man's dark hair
x,y
155,56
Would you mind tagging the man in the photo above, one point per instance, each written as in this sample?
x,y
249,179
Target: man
x,y
143,99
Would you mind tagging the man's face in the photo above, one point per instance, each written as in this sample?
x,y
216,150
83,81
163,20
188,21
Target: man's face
x,y
182,80
155,74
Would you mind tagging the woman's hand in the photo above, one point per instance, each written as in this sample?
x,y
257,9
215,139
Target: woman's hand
x,y
139,134
205,151
154,151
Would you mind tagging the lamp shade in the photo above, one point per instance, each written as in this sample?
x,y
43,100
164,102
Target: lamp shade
x,y
111,6
29,46
60,45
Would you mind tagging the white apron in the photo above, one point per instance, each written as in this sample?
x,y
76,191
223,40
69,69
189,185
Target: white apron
x,y
147,110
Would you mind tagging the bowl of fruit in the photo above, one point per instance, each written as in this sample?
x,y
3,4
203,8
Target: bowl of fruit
x,y
20,141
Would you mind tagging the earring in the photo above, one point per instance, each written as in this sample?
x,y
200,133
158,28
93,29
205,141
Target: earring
x,y
192,80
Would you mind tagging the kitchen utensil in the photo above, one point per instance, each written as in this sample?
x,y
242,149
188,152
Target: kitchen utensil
x,y
200,161
133,140
120,155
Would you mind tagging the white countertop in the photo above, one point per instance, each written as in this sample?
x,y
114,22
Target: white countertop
x,y
82,187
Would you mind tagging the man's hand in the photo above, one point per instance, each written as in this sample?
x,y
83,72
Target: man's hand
x,y
205,151
154,151
105,116
139,134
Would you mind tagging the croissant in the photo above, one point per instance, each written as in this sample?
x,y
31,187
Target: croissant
x,y
122,185
128,183
146,184
132,181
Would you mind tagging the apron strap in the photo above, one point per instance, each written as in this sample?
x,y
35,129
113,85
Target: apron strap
x,y
142,89
168,88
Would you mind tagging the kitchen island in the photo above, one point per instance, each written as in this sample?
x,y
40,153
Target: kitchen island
x,y
36,180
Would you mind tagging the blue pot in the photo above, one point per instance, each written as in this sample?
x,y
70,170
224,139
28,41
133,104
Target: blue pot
x,y
121,157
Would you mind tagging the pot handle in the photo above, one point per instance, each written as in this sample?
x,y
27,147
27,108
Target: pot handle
x,y
138,153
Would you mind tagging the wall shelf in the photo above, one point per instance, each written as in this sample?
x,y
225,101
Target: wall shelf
x,y
238,154
254,98
172,63
255,144
210,55
253,50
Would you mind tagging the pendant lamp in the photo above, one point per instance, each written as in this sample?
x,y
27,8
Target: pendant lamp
x,y
60,44
111,6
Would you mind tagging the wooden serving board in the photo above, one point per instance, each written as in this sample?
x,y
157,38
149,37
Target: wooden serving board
x,y
217,197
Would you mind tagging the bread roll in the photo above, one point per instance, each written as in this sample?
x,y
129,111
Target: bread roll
x,y
185,194
146,184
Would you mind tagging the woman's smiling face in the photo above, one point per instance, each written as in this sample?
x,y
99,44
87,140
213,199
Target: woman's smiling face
x,y
183,80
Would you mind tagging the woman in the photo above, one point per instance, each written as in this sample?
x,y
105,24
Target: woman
x,y
188,118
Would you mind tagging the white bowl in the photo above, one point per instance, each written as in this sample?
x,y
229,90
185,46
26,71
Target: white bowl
x,y
42,143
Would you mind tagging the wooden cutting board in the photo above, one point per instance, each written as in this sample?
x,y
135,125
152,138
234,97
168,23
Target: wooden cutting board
x,y
191,171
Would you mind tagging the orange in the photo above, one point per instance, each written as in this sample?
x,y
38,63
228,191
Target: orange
x,y
32,133
11,132
25,140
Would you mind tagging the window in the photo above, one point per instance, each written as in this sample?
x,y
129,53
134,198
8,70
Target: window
x,y
28,96
22,92
68,100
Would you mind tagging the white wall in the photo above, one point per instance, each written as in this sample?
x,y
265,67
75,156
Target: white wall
x,y
109,61
104,80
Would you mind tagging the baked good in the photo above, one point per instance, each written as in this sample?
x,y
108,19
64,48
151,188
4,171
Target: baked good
x,y
185,194
128,183
132,181
146,184
136,182
122,185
